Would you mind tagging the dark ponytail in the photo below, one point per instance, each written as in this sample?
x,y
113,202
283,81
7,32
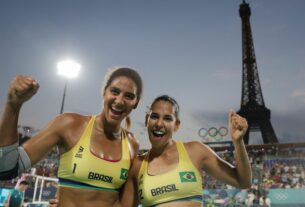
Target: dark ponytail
x,y
127,122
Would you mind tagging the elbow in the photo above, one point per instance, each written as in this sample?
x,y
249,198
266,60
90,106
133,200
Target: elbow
x,y
244,182
245,179
246,185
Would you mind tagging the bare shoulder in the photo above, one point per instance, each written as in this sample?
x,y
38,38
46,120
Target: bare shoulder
x,y
197,150
65,126
70,120
131,136
194,145
63,131
141,157
137,164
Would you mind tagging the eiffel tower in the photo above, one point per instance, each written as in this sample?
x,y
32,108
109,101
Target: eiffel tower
x,y
252,102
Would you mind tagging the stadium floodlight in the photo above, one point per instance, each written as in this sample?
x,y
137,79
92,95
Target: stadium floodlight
x,y
68,69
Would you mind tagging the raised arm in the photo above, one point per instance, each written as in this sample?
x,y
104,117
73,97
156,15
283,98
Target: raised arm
x,y
21,89
14,159
238,127
240,175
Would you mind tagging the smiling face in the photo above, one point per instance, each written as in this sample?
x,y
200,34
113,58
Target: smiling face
x,y
119,99
161,123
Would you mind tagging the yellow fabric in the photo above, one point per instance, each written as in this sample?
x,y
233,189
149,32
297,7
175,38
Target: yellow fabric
x,y
182,183
80,168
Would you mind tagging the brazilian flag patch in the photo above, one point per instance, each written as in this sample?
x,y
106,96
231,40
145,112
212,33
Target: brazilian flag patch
x,y
124,174
187,176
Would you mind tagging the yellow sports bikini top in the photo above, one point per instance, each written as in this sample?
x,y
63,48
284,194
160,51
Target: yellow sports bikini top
x,y
182,183
80,168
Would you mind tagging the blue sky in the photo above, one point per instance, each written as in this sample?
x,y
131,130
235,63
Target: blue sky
x,y
190,50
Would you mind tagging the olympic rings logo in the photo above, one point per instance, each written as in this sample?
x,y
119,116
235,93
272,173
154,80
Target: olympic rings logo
x,y
281,196
213,132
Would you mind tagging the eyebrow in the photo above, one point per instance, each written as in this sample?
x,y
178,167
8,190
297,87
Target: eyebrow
x,y
131,93
168,116
116,88
113,87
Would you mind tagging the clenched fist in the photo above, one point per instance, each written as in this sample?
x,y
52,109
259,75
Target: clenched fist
x,y
21,89
238,126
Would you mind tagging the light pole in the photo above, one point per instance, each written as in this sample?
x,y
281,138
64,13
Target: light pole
x,y
68,69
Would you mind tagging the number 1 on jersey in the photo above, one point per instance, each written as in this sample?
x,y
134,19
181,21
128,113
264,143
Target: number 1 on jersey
x,y
74,168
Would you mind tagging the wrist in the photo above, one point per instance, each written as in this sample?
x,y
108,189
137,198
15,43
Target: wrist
x,y
238,141
13,106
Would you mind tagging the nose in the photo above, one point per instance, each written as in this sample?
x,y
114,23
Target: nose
x,y
159,122
119,99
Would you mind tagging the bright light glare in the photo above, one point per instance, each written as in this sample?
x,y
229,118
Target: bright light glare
x,y
68,68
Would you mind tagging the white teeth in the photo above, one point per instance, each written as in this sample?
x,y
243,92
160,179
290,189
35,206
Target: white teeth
x,y
117,110
159,132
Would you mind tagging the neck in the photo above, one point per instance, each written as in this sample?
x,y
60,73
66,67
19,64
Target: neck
x,y
158,150
107,128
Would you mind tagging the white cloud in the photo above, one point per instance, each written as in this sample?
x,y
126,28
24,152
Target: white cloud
x,y
298,93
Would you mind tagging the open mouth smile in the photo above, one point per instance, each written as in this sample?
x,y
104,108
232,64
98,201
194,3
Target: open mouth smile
x,y
116,113
158,134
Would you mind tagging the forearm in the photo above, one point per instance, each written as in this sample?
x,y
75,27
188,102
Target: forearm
x,y
8,124
129,196
243,167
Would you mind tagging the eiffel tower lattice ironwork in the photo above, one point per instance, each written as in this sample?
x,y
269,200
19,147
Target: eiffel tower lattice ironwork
x,y
252,102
